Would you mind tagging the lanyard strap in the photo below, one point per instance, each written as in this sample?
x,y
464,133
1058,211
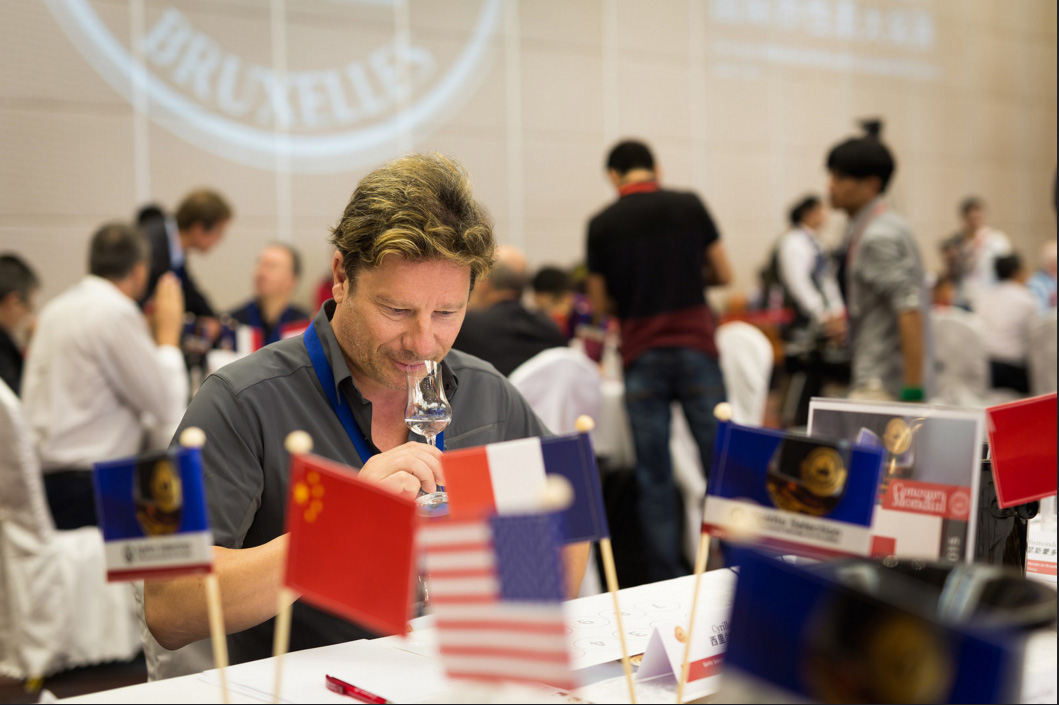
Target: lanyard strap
x,y
342,411
327,381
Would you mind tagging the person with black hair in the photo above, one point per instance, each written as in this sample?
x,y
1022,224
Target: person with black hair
x,y
553,294
1007,309
805,271
18,290
886,292
816,337
498,328
101,381
651,255
970,254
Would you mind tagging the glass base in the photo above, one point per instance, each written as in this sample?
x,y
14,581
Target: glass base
x,y
433,504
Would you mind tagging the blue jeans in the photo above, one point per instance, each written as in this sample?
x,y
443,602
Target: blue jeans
x,y
653,381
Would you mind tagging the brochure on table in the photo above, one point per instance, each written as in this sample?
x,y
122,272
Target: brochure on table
x,y
928,494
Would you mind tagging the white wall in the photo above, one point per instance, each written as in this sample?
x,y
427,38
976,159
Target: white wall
x,y
739,98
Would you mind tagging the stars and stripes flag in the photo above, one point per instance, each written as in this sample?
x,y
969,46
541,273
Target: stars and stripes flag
x,y
495,586
509,477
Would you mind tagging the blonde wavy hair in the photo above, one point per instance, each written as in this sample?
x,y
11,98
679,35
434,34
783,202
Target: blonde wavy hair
x,y
419,207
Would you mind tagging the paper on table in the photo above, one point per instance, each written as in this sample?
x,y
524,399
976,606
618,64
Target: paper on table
x,y
593,630
375,666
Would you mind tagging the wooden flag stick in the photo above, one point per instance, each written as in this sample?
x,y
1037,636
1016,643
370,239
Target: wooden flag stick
x,y
700,568
723,413
612,587
281,638
585,424
217,635
296,443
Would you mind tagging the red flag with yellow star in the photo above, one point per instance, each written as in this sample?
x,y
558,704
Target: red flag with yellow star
x,y
351,545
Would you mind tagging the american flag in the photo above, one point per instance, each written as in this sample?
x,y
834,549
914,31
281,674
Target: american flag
x,y
496,589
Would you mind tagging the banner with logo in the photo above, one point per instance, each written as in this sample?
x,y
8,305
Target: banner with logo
x,y
928,493
152,512
803,496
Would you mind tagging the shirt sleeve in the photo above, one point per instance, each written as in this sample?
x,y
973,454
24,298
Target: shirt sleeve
x,y
796,262
149,378
231,461
888,266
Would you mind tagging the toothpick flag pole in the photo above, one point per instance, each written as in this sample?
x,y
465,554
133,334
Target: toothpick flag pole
x,y
723,413
194,437
297,443
584,424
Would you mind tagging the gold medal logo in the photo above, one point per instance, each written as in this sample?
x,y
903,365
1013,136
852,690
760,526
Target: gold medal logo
x,y
159,498
823,473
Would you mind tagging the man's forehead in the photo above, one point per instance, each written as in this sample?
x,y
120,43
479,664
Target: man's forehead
x,y
399,280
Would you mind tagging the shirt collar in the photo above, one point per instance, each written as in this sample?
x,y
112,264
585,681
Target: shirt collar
x,y
649,186
340,369
176,250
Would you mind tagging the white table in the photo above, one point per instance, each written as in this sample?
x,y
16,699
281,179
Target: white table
x,y
407,669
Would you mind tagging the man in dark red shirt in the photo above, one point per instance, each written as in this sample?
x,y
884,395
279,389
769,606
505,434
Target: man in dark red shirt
x,y
651,255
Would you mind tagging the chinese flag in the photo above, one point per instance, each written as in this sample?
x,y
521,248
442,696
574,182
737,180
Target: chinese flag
x,y
1022,442
351,545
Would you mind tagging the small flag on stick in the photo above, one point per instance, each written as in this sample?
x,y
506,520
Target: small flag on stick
x,y
496,588
509,477
1022,444
152,513
351,545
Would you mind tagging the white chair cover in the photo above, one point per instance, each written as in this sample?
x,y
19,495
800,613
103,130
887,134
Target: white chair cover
x,y
961,359
1042,355
56,609
561,384
746,363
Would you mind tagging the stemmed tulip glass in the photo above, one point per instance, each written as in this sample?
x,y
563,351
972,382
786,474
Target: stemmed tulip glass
x,y
427,413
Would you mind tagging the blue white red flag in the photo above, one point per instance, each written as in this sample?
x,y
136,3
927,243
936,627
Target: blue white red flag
x,y
496,587
152,512
509,477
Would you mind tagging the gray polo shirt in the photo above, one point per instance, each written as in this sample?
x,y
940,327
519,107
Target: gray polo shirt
x,y
885,277
247,409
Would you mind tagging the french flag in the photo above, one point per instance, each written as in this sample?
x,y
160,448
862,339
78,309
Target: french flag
x,y
509,478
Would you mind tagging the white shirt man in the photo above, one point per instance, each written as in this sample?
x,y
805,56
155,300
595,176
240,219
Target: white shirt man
x,y
96,380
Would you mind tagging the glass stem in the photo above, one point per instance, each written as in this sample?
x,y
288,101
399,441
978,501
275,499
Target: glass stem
x,y
432,441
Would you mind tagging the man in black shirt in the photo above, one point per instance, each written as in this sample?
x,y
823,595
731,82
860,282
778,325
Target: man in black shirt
x,y
651,254
18,288
498,328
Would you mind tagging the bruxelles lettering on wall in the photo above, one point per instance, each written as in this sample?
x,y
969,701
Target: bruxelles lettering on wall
x,y
357,92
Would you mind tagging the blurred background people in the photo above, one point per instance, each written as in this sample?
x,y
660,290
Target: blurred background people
x,y
651,254
887,298
553,294
971,252
805,273
1007,309
99,376
276,277
498,328
199,223
18,292
1042,282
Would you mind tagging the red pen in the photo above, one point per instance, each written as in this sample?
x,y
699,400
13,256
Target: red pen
x,y
350,690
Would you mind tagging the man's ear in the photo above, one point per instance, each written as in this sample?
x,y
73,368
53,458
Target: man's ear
x,y
338,276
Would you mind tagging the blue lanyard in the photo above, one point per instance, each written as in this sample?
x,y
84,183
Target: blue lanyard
x,y
343,411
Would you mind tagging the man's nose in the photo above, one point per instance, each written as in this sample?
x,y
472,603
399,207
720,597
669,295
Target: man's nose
x,y
419,337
